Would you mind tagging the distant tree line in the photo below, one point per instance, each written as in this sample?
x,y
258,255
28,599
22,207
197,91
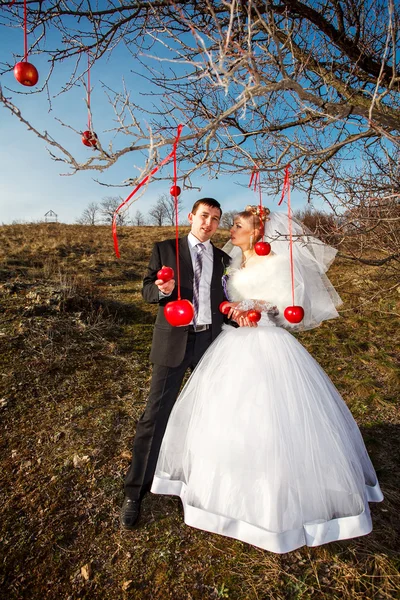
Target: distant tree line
x,y
101,213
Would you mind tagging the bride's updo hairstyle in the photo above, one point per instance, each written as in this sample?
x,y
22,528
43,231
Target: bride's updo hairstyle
x,y
252,214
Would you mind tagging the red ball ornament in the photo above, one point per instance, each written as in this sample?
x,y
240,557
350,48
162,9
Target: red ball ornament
x,y
179,312
224,307
175,190
26,73
262,248
254,316
294,314
89,138
166,274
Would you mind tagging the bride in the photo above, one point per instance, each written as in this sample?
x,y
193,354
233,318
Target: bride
x,y
260,446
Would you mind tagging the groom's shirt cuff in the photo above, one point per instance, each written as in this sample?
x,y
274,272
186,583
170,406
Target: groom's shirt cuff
x,y
161,295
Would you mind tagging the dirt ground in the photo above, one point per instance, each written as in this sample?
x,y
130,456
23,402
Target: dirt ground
x,y
75,336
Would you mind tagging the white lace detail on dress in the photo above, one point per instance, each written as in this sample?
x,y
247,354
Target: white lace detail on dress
x,y
261,305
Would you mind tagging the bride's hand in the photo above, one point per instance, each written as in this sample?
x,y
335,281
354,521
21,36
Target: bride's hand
x,y
240,316
232,310
243,321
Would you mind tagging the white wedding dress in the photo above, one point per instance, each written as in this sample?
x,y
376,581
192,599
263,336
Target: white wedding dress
x,y
260,446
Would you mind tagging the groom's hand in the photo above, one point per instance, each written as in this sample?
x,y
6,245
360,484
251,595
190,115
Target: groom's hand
x,y
165,287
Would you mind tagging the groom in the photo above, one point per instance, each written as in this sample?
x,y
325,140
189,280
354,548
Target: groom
x,y
175,349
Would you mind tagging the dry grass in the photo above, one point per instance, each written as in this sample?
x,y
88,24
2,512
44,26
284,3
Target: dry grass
x,y
75,337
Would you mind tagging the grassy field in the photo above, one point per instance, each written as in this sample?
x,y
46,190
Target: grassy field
x,y
74,341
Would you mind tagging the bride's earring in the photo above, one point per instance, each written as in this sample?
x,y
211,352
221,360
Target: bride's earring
x,y
251,242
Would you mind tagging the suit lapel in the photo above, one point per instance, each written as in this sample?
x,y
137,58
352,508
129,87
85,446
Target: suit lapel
x,y
218,268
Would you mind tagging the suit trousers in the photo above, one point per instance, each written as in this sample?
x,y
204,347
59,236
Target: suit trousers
x,y
164,389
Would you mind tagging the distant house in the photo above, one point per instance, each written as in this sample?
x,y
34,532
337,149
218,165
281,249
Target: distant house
x,y
51,217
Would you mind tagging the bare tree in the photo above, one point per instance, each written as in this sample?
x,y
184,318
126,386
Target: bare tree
x,y
168,202
227,218
262,82
365,229
139,219
370,232
109,205
157,213
91,215
320,223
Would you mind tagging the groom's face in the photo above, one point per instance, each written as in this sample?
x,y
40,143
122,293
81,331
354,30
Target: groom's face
x,y
204,221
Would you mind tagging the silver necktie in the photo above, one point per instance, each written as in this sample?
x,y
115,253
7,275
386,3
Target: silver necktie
x,y
198,267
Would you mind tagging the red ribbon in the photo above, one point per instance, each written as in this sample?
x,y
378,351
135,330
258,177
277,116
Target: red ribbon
x,y
286,191
255,176
286,185
142,183
25,32
88,92
255,179
25,29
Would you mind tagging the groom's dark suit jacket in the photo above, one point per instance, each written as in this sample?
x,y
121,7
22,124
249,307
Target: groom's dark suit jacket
x,y
169,343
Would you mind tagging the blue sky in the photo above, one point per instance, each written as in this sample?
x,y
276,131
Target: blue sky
x,y
31,182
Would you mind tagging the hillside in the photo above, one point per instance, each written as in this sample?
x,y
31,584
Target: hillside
x,y
75,336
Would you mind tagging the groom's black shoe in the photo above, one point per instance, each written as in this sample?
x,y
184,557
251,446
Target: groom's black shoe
x,y
130,512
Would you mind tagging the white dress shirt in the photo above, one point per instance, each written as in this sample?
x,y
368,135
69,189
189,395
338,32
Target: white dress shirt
x,y
204,316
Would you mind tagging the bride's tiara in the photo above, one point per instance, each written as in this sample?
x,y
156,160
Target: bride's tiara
x,y
255,210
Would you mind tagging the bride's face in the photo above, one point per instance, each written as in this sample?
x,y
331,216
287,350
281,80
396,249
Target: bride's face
x,y
241,232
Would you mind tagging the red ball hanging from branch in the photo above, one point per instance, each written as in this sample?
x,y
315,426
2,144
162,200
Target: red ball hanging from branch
x,y
89,138
294,314
24,72
262,248
175,191
179,312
